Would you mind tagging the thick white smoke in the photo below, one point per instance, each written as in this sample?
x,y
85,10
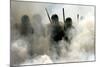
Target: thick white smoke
x,y
83,44
81,47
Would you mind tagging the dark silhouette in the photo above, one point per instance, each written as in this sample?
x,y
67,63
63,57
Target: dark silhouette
x,y
57,33
26,27
67,28
27,31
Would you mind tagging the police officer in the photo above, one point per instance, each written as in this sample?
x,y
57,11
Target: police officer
x,y
27,31
26,27
57,33
68,28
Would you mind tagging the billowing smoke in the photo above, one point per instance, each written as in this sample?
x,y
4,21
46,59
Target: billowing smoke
x,y
35,48
83,44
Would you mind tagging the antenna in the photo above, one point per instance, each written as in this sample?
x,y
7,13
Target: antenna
x,y
48,15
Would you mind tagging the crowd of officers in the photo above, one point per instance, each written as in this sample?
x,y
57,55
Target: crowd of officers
x,y
57,30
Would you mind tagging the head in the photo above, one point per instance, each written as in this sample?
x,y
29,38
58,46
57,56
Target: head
x,y
68,22
24,24
55,19
25,19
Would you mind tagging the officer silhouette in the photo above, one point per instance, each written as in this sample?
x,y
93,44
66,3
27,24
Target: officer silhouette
x,y
26,27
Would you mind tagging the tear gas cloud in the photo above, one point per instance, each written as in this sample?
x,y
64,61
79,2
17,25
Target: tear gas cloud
x,y
38,44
